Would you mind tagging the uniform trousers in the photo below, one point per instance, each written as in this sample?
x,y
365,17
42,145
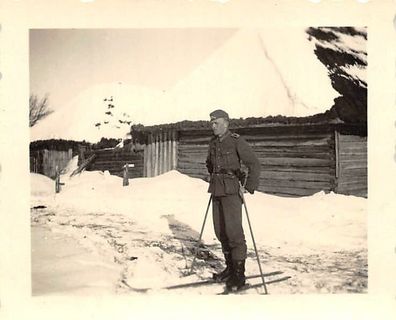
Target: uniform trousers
x,y
227,220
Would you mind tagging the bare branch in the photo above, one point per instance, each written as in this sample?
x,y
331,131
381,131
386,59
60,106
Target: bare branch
x,y
38,109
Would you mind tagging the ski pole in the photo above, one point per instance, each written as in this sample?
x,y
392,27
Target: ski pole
x,y
200,236
254,242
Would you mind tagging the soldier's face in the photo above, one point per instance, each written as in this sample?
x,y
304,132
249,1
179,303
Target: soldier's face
x,y
219,126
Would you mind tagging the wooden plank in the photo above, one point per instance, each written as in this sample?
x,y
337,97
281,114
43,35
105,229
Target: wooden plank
x,y
356,171
353,163
109,158
296,184
348,155
293,151
356,186
289,191
113,154
353,191
202,147
346,145
183,155
195,140
362,161
193,153
190,148
200,170
352,138
193,169
191,164
287,143
296,176
351,177
325,155
191,160
298,162
116,163
277,137
354,181
330,170
119,159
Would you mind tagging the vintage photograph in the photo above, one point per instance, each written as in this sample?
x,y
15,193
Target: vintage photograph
x,y
207,161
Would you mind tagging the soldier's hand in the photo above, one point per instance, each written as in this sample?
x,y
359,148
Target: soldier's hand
x,y
242,190
250,190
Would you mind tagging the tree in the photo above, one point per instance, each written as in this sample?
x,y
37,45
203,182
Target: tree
x,y
38,109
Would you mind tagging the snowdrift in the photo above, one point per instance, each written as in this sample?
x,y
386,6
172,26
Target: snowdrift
x,y
323,221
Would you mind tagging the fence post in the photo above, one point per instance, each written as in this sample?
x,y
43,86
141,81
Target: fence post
x,y
156,161
57,180
174,150
148,160
125,180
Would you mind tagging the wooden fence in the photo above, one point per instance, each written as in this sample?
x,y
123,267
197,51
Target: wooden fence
x,y
160,153
45,161
114,160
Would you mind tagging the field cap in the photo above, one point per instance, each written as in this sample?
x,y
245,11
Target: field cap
x,y
219,114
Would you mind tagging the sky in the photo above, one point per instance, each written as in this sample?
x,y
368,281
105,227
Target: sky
x,y
64,62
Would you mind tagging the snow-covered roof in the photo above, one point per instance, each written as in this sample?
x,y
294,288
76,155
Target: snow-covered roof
x,y
256,73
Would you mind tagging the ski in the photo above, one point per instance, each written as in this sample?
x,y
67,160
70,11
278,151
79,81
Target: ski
x,y
248,286
211,281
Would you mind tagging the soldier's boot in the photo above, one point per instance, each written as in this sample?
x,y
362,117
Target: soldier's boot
x,y
227,272
238,279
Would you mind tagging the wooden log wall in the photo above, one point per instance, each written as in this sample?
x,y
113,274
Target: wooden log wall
x,y
160,153
113,160
45,161
192,153
292,163
295,164
351,168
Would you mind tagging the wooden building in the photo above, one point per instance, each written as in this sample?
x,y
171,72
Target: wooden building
x,y
114,160
47,155
296,159
46,161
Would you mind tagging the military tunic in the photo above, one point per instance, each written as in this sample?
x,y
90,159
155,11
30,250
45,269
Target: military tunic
x,y
223,162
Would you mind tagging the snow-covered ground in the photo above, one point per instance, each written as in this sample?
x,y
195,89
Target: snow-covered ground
x,y
147,232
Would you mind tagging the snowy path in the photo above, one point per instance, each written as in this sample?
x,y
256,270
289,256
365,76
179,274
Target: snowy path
x,y
149,229
150,261
61,266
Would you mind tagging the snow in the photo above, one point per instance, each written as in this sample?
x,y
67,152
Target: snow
x,y
353,45
41,185
356,72
250,75
149,227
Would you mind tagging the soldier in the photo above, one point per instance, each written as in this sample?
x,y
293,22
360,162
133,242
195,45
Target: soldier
x,y
226,151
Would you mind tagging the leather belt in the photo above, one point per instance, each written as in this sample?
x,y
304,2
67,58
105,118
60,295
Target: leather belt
x,y
224,171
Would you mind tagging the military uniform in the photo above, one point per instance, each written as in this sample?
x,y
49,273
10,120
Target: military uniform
x,y
224,163
226,152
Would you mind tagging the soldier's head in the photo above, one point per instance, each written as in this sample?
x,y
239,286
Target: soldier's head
x,y
219,121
